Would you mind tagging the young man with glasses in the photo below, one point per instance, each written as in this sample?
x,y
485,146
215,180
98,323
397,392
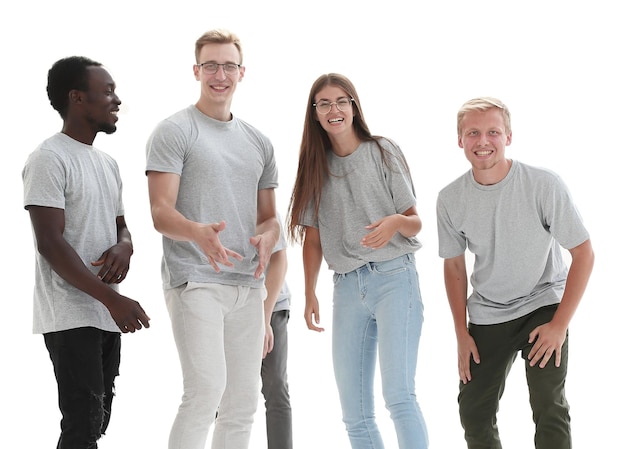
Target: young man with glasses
x,y
73,193
211,180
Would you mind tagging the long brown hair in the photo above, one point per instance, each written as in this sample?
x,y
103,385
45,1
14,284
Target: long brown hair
x,y
313,164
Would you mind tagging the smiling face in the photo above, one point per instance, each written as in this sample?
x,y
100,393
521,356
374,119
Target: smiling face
x,y
101,104
217,89
483,137
336,123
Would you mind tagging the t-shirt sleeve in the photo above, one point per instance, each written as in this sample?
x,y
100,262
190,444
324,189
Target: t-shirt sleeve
x,y
165,150
451,242
561,215
269,177
120,203
308,216
44,180
399,179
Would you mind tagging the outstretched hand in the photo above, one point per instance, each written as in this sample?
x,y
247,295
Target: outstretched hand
x,y
211,245
264,247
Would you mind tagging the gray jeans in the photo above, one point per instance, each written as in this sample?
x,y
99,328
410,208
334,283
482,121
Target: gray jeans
x,y
275,388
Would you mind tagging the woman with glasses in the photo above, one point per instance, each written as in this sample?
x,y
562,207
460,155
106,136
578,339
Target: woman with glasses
x,y
353,204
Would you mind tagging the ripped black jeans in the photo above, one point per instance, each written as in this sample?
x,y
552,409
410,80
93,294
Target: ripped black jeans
x,y
86,361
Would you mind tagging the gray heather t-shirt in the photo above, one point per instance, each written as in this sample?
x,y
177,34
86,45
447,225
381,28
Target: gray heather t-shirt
x,y
514,228
361,190
222,166
85,182
284,296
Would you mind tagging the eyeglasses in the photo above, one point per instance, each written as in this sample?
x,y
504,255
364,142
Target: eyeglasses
x,y
344,104
211,68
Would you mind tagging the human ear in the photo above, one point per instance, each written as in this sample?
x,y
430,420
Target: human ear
x,y
75,96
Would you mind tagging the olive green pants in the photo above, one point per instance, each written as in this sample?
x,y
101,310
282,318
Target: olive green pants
x,y
498,346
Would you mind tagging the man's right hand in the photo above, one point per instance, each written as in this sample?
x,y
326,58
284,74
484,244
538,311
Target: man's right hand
x,y
466,347
209,242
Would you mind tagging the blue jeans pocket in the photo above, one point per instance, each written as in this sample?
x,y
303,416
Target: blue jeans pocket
x,y
390,267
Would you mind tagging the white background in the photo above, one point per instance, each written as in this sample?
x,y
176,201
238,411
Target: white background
x,y
558,66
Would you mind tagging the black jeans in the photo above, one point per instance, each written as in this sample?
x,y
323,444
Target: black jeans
x,y
498,346
86,361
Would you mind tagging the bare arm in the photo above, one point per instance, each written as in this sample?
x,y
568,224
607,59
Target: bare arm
x,y
455,277
312,261
267,229
408,224
549,338
274,279
48,226
163,192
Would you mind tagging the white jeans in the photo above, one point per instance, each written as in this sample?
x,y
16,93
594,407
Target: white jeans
x,y
219,332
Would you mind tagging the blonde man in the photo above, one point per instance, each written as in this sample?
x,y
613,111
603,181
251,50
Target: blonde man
x,y
514,218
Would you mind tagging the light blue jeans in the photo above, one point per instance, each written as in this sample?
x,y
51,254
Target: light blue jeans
x,y
219,331
378,308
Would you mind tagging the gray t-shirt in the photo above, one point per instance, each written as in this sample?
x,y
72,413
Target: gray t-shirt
x,y
283,302
222,166
514,229
360,190
284,296
85,182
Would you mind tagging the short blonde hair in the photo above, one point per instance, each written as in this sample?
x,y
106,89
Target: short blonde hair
x,y
483,104
218,36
